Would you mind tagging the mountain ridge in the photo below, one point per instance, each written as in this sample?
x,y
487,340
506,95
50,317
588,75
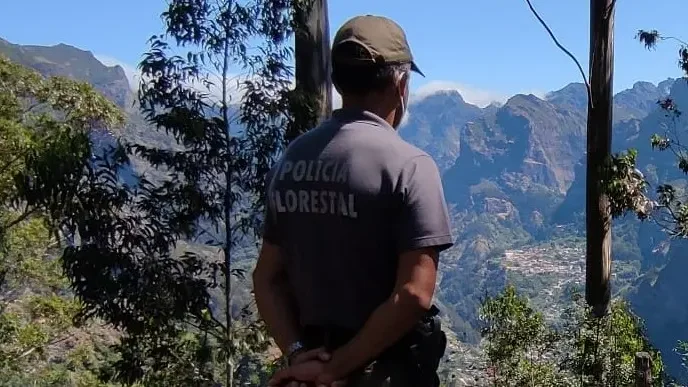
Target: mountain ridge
x,y
512,175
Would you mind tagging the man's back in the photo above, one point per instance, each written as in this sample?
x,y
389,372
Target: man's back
x,y
337,209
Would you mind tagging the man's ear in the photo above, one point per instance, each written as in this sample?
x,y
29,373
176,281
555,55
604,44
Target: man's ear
x,y
336,88
404,84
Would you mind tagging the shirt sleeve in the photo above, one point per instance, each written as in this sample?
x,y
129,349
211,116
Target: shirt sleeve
x,y
270,229
424,219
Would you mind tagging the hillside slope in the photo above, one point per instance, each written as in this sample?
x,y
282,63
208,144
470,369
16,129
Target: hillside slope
x,y
513,176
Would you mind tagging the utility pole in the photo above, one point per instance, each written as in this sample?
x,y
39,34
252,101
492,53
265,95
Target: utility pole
x,y
599,146
313,66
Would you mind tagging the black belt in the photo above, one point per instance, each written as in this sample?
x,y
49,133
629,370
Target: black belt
x,y
333,337
418,352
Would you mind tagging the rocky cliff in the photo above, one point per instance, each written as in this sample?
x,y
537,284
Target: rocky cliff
x,y
514,178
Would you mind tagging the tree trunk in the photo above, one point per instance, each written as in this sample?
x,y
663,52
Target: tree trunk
x,y
313,67
228,203
599,141
643,369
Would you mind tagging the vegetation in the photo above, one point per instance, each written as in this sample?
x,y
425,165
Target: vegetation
x,y
45,125
121,239
523,350
107,280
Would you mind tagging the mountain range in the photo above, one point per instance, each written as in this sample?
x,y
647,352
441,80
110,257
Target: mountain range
x,y
513,176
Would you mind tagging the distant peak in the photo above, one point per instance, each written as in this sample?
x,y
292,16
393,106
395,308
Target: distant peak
x,y
72,62
438,96
69,47
666,85
574,85
457,92
679,89
643,85
523,98
571,88
453,94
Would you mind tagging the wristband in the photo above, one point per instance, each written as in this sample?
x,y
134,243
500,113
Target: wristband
x,y
294,349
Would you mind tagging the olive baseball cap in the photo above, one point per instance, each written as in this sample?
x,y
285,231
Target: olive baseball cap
x,y
379,41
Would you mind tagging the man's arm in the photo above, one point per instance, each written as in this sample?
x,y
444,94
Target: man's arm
x,y
411,299
422,231
273,299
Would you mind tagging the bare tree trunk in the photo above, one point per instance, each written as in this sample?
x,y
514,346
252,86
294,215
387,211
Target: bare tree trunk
x,y
313,66
643,369
599,138
228,202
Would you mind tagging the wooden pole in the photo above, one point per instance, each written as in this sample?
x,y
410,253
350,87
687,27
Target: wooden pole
x,y
599,144
313,66
643,369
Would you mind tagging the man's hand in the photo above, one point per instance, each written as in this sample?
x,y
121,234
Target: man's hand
x,y
298,374
308,366
318,354
313,354
410,300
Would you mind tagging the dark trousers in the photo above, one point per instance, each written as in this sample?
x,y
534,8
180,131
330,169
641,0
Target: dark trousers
x,y
396,367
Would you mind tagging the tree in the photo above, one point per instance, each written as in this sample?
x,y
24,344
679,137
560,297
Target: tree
x,y
518,342
602,351
313,67
45,129
151,278
600,161
220,170
671,207
522,349
599,140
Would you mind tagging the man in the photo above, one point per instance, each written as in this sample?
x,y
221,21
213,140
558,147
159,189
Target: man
x,y
356,219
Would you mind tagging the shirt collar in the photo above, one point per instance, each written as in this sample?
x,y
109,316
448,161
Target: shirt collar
x,y
346,115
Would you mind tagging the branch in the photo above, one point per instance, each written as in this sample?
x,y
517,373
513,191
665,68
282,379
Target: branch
x,y
673,38
34,106
21,218
6,166
21,154
562,48
649,38
34,349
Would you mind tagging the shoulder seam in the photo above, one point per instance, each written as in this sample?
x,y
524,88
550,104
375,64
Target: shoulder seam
x,y
412,158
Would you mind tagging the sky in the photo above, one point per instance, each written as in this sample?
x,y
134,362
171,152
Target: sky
x,y
488,50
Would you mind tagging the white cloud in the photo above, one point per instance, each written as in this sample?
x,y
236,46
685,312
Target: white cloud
x,y
477,96
214,88
538,93
472,95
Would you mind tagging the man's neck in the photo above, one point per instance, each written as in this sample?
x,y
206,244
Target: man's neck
x,y
363,104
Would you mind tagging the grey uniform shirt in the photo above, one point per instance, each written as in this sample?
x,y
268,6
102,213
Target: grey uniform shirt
x,y
343,202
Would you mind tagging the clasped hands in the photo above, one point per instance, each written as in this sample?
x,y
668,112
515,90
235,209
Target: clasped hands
x,y
307,369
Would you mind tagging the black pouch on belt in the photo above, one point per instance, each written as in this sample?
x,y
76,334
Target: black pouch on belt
x,y
427,346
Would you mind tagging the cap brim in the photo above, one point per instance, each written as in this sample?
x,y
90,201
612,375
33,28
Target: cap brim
x,y
415,68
